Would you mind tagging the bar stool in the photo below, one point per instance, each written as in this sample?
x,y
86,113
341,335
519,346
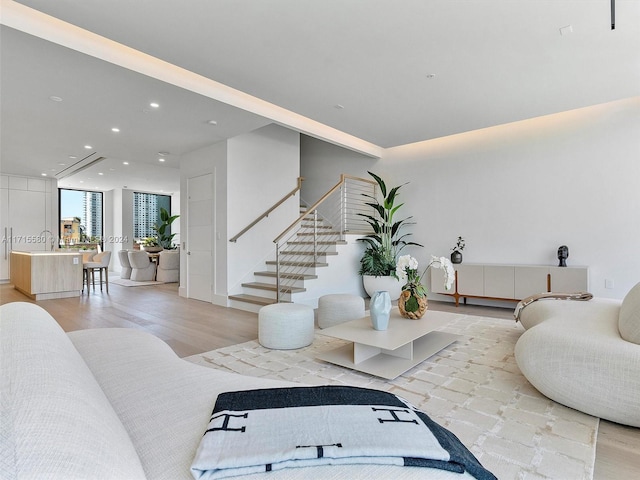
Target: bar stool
x,y
99,262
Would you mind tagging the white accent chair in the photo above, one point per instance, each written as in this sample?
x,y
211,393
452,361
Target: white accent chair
x,y
142,268
285,326
337,308
125,271
99,262
168,266
585,354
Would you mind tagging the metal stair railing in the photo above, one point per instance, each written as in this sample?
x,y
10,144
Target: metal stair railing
x,y
301,246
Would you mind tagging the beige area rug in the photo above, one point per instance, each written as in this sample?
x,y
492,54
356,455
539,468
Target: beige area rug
x,y
130,283
473,387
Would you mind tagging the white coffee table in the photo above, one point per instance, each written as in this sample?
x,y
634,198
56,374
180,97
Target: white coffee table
x,y
390,352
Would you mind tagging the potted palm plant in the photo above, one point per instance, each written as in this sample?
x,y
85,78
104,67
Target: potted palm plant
x,y
164,238
378,262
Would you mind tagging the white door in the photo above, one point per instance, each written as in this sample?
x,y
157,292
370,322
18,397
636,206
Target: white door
x,y
200,265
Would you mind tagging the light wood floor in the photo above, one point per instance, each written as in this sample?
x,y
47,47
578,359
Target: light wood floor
x,y
191,327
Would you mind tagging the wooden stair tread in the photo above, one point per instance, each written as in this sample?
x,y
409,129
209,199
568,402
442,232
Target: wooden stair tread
x,y
292,276
272,287
322,242
302,252
309,224
298,264
306,234
243,297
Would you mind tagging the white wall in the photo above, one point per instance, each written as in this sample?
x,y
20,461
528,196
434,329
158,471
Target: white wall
x,y
263,166
109,226
208,160
175,210
516,192
322,164
118,224
252,172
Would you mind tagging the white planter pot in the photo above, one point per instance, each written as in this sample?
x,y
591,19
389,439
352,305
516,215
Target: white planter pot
x,y
390,284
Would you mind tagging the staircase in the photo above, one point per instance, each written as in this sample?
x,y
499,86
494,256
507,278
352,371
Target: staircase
x,y
307,246
298,266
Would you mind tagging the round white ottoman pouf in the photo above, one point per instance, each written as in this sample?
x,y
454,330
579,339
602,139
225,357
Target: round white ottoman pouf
x,y
285,326
339,308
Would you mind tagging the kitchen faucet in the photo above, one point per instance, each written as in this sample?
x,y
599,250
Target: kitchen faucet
x,y
53,238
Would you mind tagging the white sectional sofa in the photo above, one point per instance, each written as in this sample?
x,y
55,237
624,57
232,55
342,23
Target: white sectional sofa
x,y
118,404
585,354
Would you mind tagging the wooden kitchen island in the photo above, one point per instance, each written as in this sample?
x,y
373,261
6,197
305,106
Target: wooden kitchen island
x,y
46,275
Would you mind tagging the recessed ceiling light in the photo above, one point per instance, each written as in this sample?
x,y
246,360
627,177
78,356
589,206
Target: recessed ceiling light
x,y
115,129
43,174
125,163
338,106
63,164
161,159
88,147
55,99
212,122
81,181
73,157
100,173
154,105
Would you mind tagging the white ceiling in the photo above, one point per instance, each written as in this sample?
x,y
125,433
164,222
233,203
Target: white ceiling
x,y
403,71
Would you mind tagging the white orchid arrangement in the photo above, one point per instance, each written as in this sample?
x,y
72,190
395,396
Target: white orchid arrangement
x,y
407,271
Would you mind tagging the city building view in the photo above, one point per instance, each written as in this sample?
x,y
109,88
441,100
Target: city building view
x,y
146,212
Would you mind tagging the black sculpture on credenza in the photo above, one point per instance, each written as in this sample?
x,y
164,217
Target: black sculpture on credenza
x,y
563,254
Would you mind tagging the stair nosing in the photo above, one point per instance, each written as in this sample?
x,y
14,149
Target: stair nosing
x,y
297,276
270,287
329,242
298,264
293,252
255,300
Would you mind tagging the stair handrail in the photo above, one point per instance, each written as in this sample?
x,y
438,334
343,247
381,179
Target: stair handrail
x,y
271,209
343,178
297,226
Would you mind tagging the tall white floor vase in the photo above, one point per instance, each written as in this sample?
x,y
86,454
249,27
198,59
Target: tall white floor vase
x,y
390,284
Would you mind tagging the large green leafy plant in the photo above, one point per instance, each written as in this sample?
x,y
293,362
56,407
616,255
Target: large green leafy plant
x,y
387,240
165,239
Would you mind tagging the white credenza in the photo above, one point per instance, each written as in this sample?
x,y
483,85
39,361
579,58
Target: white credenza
x,y
510,282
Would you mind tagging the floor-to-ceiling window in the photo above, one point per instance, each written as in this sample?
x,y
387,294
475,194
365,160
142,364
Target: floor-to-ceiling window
x,y
146,213
81,217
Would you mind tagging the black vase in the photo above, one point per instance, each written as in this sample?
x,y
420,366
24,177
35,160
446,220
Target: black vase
x,y
456,257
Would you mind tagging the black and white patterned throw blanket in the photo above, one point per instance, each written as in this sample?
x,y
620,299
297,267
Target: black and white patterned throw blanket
x,y
270,429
